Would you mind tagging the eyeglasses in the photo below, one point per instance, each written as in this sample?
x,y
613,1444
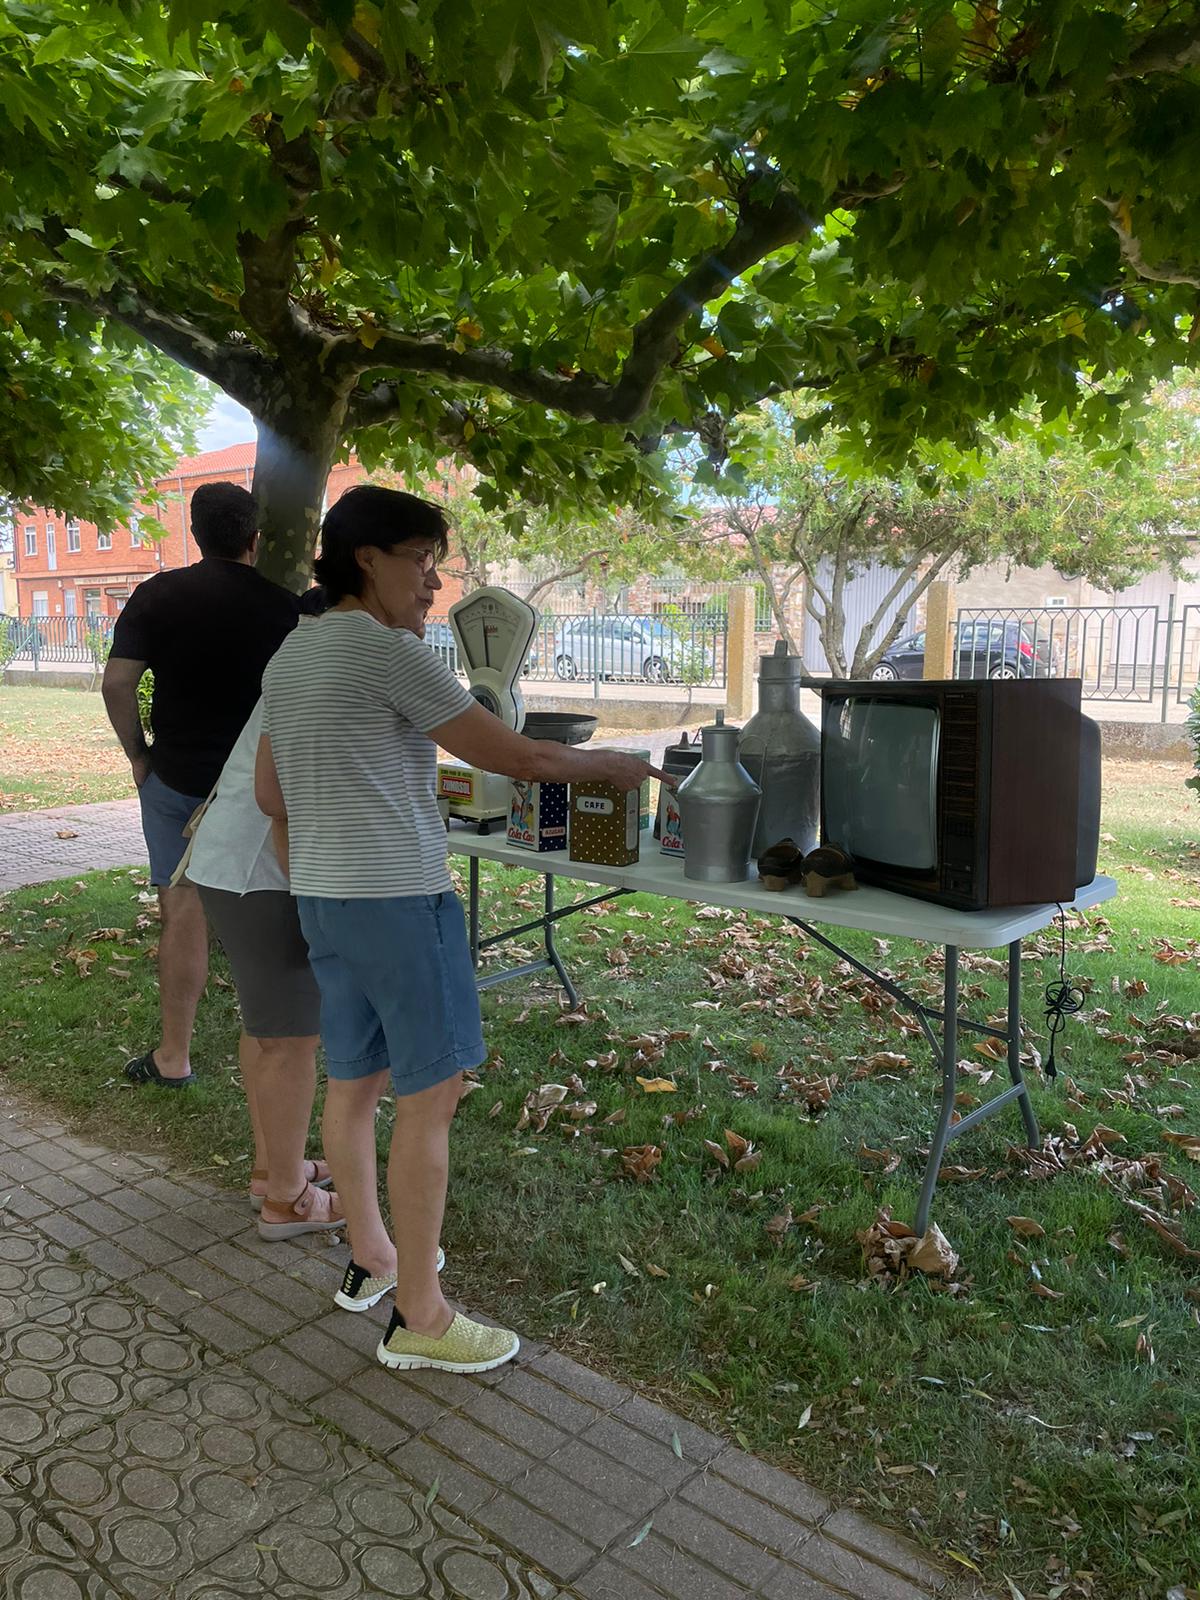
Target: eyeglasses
x,y
426,559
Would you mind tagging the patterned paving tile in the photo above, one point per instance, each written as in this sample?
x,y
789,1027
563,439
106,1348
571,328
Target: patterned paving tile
x,y
84,1362
37,1561
370,1534
152,1495
36,1276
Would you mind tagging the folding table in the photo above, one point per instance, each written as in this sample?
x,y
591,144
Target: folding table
x,y
867,910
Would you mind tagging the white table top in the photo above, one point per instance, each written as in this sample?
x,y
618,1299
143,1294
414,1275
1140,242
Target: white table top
x,y
868,909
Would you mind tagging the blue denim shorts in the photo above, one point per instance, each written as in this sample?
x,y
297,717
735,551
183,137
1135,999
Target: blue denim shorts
x,y
165,813
397,987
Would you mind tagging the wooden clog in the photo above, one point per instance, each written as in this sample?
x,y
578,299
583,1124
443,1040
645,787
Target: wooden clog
x,y
826,868
781,865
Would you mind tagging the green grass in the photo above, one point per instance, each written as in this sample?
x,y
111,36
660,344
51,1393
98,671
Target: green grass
x,y
1031,1436
56,749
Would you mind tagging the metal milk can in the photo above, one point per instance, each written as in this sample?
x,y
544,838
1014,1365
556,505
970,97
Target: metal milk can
x,y
717,806
781,750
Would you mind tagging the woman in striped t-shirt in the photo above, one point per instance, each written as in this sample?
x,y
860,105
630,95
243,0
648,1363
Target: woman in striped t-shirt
x,y
355,709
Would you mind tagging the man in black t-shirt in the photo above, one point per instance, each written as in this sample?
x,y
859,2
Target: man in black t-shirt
x,y
206,632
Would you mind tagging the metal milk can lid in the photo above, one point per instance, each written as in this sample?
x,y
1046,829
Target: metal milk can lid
x,y
780,666
720,739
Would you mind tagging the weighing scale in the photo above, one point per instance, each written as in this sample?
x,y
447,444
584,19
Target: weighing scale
x,y
493,630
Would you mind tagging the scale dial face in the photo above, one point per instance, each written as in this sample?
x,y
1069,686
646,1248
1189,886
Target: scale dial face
x,y
491,632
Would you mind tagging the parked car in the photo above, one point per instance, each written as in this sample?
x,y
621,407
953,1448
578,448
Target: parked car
x,y
439,636
628,647
988,649
24,634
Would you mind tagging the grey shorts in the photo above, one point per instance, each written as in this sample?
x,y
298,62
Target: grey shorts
x,y
165,814
260,935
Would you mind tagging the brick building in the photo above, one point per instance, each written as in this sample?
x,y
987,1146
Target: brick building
x,y
65,567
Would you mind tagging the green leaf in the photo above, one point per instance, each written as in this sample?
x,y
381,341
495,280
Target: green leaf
x,y
60,44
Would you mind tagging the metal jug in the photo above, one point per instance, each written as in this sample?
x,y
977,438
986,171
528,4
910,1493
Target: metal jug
x,y
717,806
781,750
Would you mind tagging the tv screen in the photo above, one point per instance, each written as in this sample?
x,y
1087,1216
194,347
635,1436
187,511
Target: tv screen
x,y
880,781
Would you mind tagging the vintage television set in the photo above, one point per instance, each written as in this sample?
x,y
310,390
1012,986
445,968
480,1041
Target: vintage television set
x,y
974,794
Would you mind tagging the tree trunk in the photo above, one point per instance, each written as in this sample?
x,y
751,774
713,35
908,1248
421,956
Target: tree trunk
x,y
870,651
296,447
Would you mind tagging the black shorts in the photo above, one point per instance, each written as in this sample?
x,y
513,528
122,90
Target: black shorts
x,y
260,935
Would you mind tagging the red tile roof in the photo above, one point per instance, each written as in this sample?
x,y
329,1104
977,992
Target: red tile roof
x,y
234,458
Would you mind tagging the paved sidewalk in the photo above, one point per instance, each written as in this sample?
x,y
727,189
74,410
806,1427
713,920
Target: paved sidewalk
x,y
105,834
183,1413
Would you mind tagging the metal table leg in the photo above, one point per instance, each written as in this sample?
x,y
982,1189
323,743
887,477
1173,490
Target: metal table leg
x,y
945,1053
551,961
473,910
551,949
949,1064
1033,1134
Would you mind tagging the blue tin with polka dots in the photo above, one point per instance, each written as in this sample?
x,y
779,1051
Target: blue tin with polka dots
x,y
537,815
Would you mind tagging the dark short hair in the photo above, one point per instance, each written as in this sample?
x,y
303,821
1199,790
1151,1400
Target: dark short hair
x,y
372,517
314,602
224,521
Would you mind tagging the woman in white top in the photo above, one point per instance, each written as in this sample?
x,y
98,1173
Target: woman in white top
x,y
356,707
246,899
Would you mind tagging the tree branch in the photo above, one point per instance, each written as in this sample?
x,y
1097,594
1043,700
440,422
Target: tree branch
x,y
238,369
761,230
1166,50
581,565
1131,252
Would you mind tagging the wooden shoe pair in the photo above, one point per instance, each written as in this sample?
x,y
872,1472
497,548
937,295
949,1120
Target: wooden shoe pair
x,y
785,864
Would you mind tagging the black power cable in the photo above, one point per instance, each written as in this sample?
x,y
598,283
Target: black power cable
x,y
1063,999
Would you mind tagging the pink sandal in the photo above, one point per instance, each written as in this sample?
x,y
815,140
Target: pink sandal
x,y
317,1173
312,1211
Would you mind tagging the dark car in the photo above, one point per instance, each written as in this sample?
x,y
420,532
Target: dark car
x,y
995,649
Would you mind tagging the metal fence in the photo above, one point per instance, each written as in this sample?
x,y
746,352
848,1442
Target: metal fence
x,y
58,641
1136,654
600,647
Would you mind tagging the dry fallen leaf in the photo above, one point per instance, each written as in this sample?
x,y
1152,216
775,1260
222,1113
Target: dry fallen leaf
x,y
66,833
1189,1143
933,1254
888,1160
640,1161
658,1085
993,1049
779,1224
891,1251
1026,1227
1044,1293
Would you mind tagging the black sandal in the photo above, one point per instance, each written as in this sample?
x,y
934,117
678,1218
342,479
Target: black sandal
x,y
143,1069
